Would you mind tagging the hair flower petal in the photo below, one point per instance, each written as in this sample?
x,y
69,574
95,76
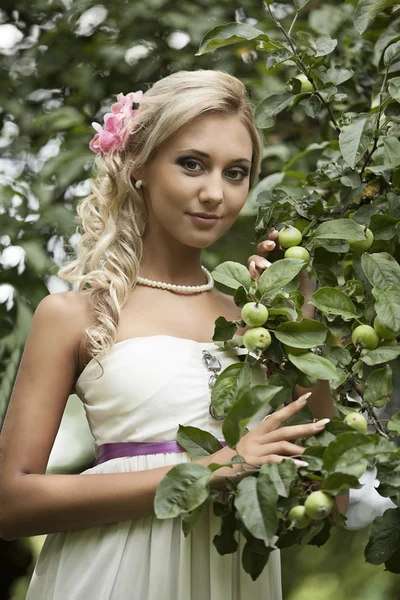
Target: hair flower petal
x,y
115,131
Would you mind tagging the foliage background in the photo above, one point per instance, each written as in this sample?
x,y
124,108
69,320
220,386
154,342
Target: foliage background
x,y
61,65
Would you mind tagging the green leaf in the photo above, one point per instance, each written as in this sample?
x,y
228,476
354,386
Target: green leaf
x,y
244,409
337,355
332,301
392,111
382,354
390,34
335,482
350,452
274,478
60,119
394,203
225,330
229,385
190,519
281,56
269,486
267,110
288,474
314,365
383,227
248,506
378,387
299,4
306,333
393,563
36,256
324,45
232,274
182,489
391,150
381,269
392,53
339,229
394,88
311,105
279,274
384,538
286,380
232,33
197,442
335,75
387,307
355,138
225,541
394,423
325,275
367,10
255,556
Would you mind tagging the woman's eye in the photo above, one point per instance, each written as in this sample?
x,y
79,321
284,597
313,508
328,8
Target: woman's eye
x,y
235,174
190,161
242,174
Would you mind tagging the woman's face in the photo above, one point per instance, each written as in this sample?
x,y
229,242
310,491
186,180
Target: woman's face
x,y
204,168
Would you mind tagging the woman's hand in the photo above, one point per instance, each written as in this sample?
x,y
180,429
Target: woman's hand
x,y
257,263
268,442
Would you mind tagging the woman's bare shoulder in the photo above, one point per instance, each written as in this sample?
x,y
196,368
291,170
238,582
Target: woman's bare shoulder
x,y
67,304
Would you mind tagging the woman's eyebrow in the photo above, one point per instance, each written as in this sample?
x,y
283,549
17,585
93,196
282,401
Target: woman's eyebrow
x,y
208,156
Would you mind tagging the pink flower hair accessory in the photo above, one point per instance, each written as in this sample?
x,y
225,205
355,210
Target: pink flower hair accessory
x,y
114,135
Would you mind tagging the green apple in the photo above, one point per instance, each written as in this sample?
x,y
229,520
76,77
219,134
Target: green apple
x,y
295,351
306,85
388,343
298,252
289,236
362,244
357,422
383,332
254,314
257,338
365,336
300,223
298,516
318,505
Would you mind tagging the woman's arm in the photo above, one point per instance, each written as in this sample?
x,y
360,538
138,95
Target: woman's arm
x,y
33,502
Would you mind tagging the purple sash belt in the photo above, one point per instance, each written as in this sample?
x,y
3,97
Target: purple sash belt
x,y
122,449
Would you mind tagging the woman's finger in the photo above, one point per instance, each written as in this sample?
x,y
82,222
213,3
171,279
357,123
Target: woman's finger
x,y
281,447
257,264
278,417
293,432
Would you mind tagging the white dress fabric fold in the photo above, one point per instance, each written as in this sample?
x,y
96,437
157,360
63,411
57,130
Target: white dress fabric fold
x,y
147,388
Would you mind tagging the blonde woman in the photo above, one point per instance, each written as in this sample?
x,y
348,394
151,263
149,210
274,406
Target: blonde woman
x,y
134,342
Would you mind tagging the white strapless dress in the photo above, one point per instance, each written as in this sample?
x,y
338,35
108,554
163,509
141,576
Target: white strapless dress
x,y
150,385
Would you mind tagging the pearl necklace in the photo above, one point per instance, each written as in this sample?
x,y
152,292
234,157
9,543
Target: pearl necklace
x,y
180,289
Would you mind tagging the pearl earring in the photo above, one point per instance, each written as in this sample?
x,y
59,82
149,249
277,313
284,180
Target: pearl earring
x,y
138,184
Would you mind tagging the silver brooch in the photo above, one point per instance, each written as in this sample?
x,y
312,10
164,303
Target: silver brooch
x,y
213,364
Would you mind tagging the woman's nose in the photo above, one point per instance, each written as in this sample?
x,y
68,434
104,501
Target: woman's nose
x,y
213,189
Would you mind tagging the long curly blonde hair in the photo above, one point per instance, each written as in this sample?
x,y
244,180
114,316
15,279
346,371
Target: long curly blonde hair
x,y
114,216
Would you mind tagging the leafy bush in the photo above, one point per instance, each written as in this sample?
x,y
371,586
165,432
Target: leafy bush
x,y
348,211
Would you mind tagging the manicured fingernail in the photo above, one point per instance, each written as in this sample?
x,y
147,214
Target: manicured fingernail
x,y
303,399
320,424
300,463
